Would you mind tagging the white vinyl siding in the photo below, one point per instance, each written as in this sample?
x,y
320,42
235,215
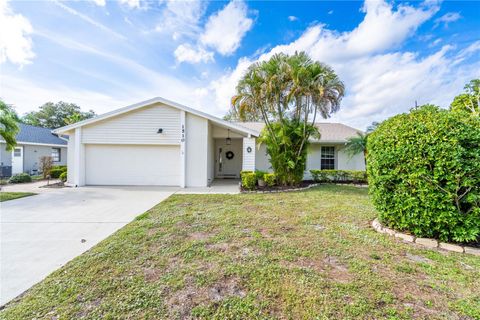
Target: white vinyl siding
x,y
196,151
132,165
248,163
138,127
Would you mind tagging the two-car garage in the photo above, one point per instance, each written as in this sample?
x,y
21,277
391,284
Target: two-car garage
x,y
132,164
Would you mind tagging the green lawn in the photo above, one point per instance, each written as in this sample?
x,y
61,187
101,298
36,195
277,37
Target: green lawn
x,y
5,196
301,255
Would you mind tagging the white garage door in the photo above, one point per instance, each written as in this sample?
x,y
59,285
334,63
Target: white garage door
x,y
132,165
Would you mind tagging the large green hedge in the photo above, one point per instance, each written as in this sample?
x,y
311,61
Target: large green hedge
x,y
424,173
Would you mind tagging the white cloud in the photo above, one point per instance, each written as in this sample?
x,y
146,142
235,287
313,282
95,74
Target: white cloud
x,y
15,42
134,4
187,53
380,81
181,18
447,18
292,18
330,12
225,29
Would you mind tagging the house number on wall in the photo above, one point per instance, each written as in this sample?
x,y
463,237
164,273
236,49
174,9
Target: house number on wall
x,y
183,133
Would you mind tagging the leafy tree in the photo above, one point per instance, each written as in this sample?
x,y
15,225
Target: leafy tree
x,y
56,115
424,173
468,101
287,93
8,125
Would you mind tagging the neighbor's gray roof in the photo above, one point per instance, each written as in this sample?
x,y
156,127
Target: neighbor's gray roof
x,y
34,134
330,132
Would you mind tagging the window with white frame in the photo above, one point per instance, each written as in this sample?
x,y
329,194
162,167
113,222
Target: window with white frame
x,y
17,152
327,160
56,154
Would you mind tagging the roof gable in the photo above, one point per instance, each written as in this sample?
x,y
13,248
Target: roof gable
x,y
146,103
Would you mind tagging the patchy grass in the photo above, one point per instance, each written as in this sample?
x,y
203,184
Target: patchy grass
x,y
5,196
300,255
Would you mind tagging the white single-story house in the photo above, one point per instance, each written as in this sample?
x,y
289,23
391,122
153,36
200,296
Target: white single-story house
x,y
32,143
160,142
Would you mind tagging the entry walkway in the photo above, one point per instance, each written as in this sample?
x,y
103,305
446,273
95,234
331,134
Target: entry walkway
x,y
219,186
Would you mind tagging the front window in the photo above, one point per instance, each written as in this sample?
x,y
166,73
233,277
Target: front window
x,y
17,152
56,154
327,158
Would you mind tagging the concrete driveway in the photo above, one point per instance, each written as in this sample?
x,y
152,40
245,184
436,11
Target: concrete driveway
x,y
41,233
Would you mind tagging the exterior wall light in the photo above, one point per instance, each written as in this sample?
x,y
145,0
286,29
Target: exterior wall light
x,y
160,130
228,141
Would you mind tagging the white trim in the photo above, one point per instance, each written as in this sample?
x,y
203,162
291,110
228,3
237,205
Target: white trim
x,y
183,162
38,144
139,143
150,102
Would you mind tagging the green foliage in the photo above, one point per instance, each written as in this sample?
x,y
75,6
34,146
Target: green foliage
x,y
56,115
287,93
355,176
8,125
20,178
249,179
270,179
357,144
56,172
259,174
63,176
469,100
287,149
424,173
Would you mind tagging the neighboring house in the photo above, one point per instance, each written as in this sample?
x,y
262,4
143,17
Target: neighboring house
x,y
32,143
160,142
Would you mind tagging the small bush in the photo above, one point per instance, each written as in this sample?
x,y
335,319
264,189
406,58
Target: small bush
x,y
424,173
249,180
63,168
20,178
355,176
55,173
63,176
259,174
46,163
270,179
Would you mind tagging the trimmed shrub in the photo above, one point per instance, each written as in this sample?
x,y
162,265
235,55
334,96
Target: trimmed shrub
x,y
270,179
63,168
55,173
63,176
249,180
20,178
355,176
424,173
259,174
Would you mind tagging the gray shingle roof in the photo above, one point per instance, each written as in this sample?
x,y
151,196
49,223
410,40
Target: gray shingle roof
x,y
34,134
330,132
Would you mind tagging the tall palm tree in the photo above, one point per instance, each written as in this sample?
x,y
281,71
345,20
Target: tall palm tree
x,y
285,90
8,125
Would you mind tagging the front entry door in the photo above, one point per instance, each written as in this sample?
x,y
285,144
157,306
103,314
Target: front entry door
x,y
228,160
17,160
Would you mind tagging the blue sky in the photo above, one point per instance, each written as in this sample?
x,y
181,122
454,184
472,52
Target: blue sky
x,y
104,55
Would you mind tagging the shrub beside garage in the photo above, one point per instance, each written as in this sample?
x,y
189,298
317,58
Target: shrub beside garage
x,y
424,173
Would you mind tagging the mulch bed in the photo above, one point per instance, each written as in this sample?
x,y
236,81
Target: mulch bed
x,y
54,185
